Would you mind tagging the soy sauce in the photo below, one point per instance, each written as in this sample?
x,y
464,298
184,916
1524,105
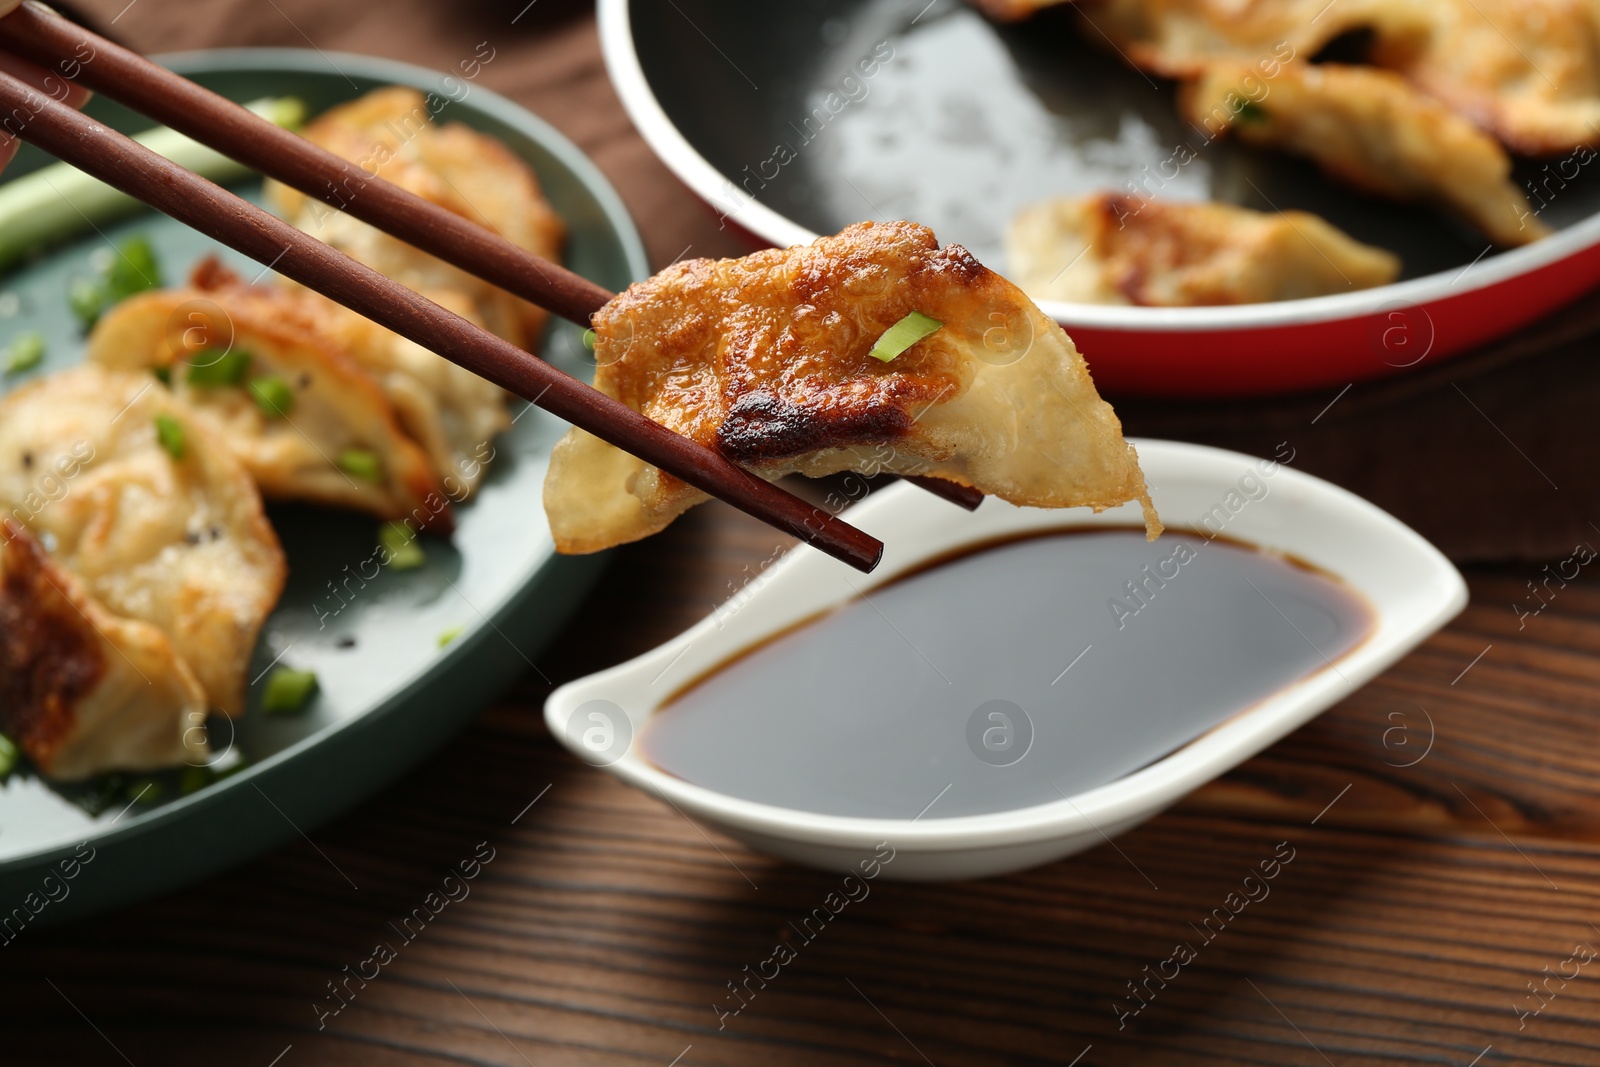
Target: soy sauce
x,y
1009,676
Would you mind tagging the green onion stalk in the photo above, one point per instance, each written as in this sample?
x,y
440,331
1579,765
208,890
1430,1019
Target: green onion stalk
x,y
59,200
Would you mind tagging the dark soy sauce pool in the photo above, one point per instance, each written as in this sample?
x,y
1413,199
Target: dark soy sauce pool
x,y
1013,675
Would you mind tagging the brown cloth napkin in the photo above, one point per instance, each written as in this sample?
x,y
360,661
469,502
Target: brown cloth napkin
x,y
1491,456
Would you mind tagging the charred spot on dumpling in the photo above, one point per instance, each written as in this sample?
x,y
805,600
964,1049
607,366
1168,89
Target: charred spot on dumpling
x,y
957,263
763,425
49,660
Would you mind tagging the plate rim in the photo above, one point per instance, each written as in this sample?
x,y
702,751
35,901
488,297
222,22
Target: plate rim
x,y
618,219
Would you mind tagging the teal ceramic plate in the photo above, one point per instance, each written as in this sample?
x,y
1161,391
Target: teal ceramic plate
x,y
389,692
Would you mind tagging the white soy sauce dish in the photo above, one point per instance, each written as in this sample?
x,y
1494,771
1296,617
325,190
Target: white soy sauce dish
x,y
1014,685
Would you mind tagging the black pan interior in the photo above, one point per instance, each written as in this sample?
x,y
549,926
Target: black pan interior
x,y
831,112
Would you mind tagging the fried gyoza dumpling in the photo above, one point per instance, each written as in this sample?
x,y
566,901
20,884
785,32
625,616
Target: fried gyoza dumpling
x,y
306,421
1372,129
1181,38
1013,10
1527,71
391,133
448,410
766,359
1116,249
452,412
158,519
83,690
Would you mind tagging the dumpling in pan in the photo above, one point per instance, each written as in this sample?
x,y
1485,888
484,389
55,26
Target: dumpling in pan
x,y
1013,10
1372,129
83,690
1181,38
133,492
1527,71
1116,249
307,422
768,359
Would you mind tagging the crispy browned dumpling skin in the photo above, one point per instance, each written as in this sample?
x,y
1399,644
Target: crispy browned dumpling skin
x,y
391,133
448,410
766,359
1181,38
83,690
1013,10
181,544
1527,71
1375,131
451,412
1114,249
337,406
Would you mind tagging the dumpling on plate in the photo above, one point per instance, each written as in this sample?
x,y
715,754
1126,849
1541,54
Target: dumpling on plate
x,y
770,359
83,690
1109,248
1372,129
134,493
306,421
452,412
390,133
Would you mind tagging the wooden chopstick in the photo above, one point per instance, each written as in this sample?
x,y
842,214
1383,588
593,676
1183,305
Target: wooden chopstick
x,y
127,165
129,78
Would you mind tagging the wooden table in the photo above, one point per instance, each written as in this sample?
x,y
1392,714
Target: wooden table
x,y
1444,825
1420,902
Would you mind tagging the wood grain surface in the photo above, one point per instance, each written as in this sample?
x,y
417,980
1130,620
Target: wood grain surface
x,y
1444,824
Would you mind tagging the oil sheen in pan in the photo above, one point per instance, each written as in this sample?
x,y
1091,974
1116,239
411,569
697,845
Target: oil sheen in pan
x,y
1008,676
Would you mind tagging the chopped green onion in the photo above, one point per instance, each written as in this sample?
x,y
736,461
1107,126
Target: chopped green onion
x,y
209,368
134,269
58,201
273,396
163,374
108,788
1252,113
588,339
87,298
288,689
450,635
131,268
26,352
229,772
401,544
145,791
902,335
9,755
359,463
169,431
193,780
